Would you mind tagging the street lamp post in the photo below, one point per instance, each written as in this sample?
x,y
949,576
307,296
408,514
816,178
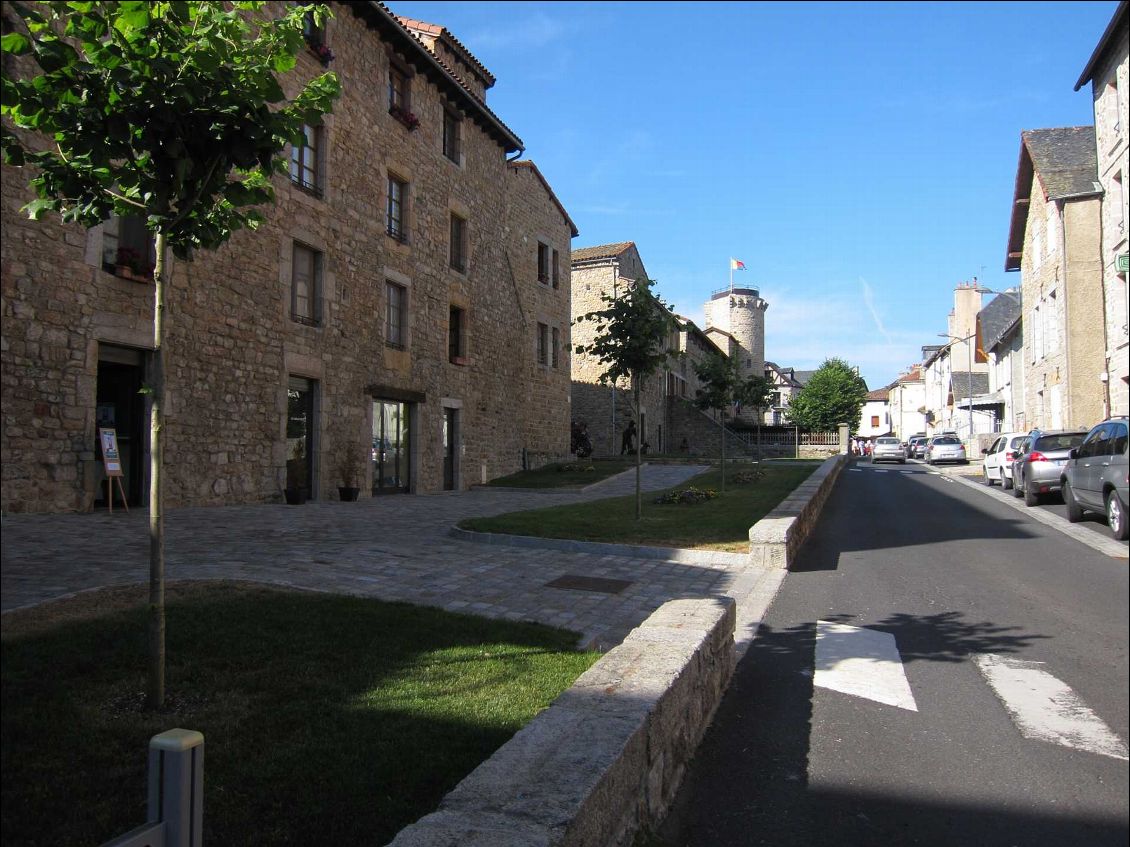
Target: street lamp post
x,y
969,375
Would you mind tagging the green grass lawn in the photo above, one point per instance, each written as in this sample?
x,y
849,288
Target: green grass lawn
x,y
569,475
719,524
327,719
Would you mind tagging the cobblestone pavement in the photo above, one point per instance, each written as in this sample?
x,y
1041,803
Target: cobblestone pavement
x,y
392,548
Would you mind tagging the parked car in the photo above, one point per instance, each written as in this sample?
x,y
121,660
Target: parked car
x,y
888,449
945,448
997,461
1095,476
1037,470
916,446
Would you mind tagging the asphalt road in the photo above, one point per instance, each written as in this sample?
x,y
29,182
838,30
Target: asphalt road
x,y
940,670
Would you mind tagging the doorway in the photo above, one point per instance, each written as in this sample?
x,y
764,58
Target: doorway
x,y
121,406
300,435
390,447
450,443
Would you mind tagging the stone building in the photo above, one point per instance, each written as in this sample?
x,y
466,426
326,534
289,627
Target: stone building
x,y
1054,241
400,322
1000,337
1108,71
608,270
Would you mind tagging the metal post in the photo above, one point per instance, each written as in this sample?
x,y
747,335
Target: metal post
x,y
175,808
179,758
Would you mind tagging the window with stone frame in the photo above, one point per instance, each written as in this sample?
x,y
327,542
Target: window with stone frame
x,y
400,94
556,271
306,285
315,35
452,135
306,160
397,209
458,243
554,346
543,344
396,316
544,268
456,335
128,248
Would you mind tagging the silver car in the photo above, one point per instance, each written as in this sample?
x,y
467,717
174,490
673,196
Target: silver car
x,y
1095,476
1038,470
945,448
888,450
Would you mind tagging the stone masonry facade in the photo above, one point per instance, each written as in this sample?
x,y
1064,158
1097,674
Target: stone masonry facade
x,y
235,341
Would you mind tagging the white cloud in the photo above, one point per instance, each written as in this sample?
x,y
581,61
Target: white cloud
x,y
534,31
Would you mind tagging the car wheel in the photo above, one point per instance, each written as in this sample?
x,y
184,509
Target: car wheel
x,y
988,477
1031,497
1006,482
1074,511
1018,487
1116,517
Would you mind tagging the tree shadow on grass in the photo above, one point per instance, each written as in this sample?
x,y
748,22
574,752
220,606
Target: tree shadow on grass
x,y
327,719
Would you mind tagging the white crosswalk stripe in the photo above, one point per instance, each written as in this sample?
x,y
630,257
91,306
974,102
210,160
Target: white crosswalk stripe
x,y
1043,707
861,662
866,663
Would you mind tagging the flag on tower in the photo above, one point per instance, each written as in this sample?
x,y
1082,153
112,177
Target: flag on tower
x,y
735,265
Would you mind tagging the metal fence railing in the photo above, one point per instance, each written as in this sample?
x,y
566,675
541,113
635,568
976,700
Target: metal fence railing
x,y
175,809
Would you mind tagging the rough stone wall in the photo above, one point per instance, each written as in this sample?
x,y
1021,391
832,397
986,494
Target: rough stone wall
x,y
231,341
605,412
1063,303
1083,288
741,314
532,218
1109,85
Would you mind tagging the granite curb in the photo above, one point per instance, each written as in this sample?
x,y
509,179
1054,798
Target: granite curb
x,y
606,759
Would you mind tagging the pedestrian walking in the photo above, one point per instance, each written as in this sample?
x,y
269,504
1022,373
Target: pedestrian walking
x,y
628,441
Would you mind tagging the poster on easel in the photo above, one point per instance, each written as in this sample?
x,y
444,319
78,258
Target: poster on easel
x,y
112,464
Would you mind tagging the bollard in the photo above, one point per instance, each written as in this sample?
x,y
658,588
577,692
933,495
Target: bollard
x,y
176,793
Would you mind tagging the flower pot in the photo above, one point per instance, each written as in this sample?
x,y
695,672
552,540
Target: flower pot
x,y
295,496
348,495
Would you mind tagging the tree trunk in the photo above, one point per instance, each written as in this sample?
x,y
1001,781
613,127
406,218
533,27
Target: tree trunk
x,y
156,688
722,416
639,446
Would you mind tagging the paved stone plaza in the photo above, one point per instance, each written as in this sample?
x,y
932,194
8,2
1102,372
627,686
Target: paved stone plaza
x,y
392,548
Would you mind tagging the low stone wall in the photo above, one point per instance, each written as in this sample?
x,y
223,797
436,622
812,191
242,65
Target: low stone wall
x,y
774,540
607,758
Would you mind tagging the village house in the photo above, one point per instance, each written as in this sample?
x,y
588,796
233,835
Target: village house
x,y
907,402
1000,338
1054,241
1108,71
400,323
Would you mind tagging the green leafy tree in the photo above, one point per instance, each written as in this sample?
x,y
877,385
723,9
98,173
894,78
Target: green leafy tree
x,y
723,387
169,111
834,395
631,336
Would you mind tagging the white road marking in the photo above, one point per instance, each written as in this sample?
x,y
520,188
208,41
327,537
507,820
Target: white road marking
x,y
856,470
1044,708
861,662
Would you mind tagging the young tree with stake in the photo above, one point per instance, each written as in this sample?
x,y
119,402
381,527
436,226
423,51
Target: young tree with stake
x,y
723,387
168,111
631,335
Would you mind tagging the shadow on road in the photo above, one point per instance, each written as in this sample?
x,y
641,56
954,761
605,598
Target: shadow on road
x,y
749,782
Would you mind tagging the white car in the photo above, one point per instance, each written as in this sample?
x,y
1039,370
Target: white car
x,y
997,461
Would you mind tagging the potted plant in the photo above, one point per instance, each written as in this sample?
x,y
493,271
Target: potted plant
x,y
131,264
349,468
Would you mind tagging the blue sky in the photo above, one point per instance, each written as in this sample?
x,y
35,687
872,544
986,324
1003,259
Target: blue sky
x,y
858,157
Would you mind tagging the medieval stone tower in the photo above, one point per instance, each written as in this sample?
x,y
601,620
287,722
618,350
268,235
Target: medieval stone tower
x,y
735,321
